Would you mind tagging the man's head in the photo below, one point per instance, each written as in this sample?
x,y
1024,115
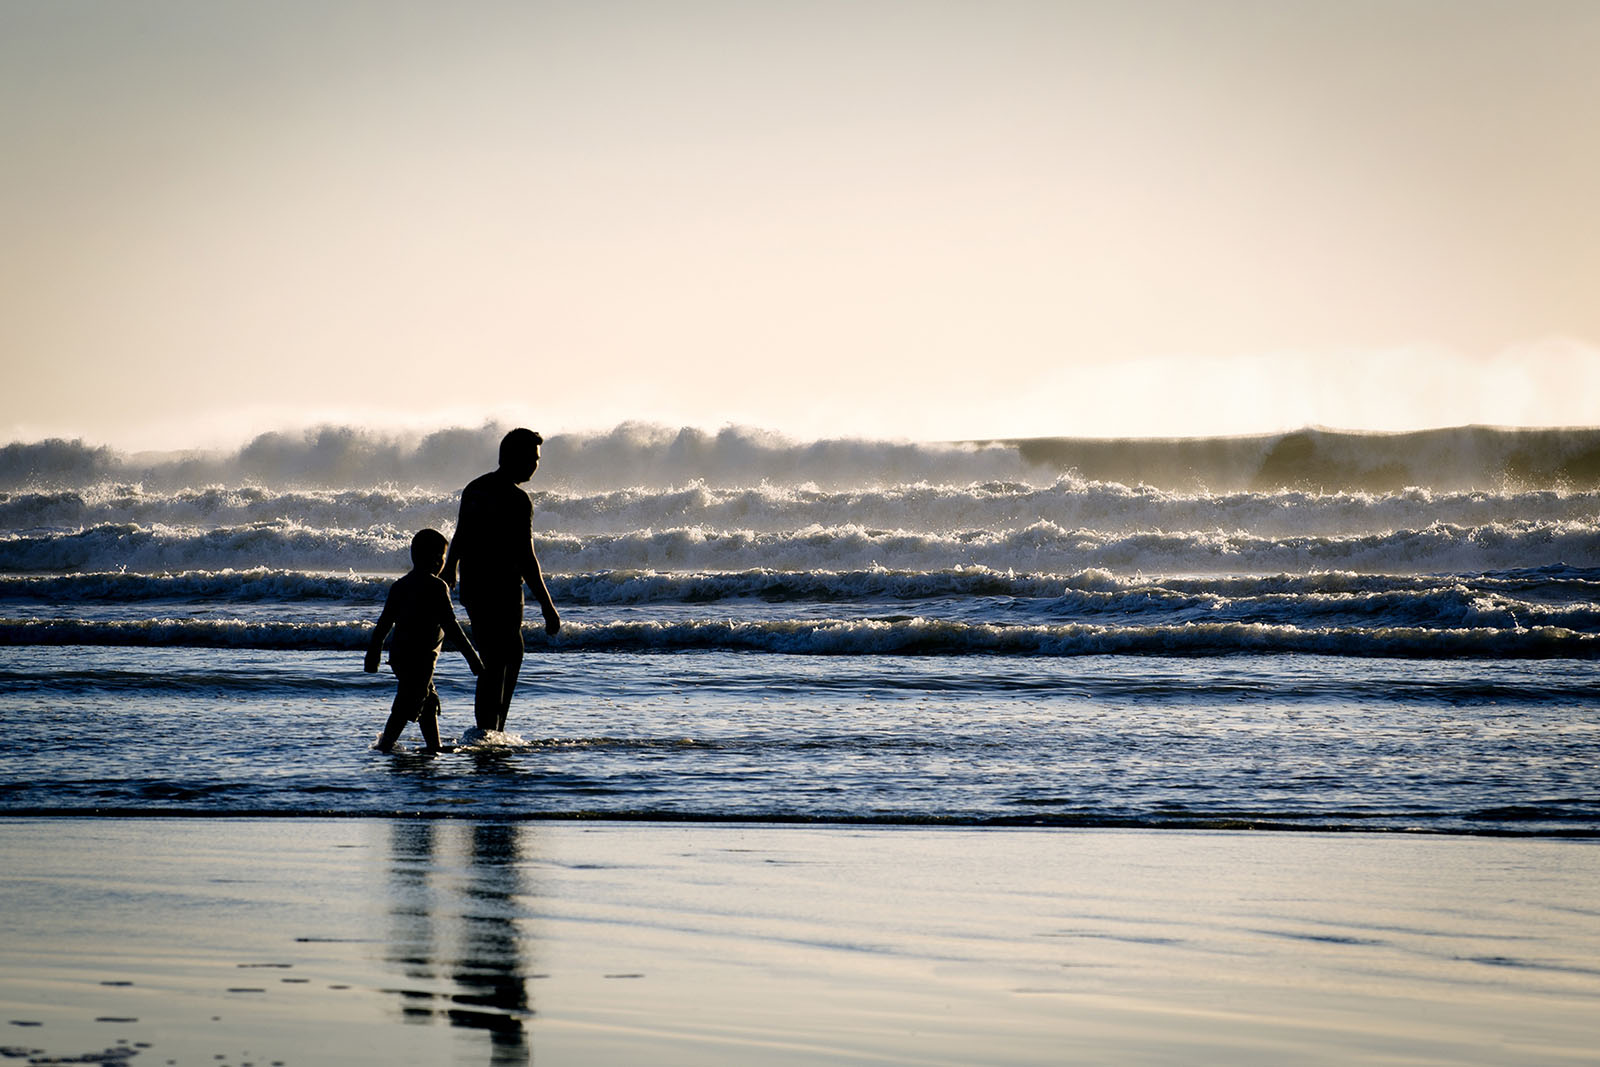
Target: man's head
x,y
519,453
427,551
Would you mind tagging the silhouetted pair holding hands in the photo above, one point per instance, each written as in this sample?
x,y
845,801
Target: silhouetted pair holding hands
x,y
492,556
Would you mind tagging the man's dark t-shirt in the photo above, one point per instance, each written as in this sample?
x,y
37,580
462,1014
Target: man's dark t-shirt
x,y
493,544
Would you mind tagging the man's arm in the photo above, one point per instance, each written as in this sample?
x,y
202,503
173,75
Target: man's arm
x,y
458,636
452,558
535,579
534,576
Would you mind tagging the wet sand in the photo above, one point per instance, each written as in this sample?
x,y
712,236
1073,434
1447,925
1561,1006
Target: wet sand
x,y
303,941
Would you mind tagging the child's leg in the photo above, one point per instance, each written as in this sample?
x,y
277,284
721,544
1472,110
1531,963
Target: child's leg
x,y
428,719
392,730
410,690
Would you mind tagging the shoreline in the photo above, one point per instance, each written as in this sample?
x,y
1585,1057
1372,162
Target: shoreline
x,y
953,822
460,940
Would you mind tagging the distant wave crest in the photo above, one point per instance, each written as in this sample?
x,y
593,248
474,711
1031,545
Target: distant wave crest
x,y
637,454
1068,502
1039,547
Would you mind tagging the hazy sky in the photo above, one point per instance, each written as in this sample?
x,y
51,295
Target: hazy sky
x,y
918,218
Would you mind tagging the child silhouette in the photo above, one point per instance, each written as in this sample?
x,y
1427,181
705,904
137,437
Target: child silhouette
x,y
418,610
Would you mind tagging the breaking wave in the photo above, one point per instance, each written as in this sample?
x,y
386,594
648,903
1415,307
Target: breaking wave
x,y
1068,501
1039,547
899,636
635,454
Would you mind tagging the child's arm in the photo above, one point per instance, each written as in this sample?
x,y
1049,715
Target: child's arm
x,y
375,646
446,616
453,631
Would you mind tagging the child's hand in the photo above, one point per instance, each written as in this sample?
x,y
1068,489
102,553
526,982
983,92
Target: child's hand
x,y
474,663
552,622
371,665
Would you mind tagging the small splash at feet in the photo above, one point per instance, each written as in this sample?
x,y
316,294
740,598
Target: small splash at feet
x,y
475,738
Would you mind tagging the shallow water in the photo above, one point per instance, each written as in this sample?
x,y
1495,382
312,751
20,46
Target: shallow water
x,y
1287,741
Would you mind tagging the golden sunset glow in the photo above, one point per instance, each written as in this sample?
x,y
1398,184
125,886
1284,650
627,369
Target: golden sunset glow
x,y
917,219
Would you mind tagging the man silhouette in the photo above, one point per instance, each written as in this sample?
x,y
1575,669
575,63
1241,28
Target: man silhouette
x,y
493,550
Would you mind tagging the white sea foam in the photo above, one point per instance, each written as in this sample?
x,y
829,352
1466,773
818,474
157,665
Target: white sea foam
x,y
475,738
1551,597
1068,502
1040,547
915,635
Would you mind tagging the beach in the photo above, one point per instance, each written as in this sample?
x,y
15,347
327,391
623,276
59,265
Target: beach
x,y
846,752
297,941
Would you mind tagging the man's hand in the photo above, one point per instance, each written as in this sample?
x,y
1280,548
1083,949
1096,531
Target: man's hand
x,y
371,665
474,663
552,622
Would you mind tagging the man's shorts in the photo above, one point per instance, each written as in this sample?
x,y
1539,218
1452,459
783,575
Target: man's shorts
x,y
496,629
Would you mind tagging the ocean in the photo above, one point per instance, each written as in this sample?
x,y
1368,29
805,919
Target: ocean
x,y
1308,631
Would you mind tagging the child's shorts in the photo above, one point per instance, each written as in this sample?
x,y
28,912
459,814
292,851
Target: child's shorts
x,y
414,692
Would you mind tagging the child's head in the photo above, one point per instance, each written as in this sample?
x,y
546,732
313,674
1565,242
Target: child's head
x,y
427,551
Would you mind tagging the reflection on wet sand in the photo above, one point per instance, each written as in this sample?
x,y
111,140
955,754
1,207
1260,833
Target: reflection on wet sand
x,y
453,894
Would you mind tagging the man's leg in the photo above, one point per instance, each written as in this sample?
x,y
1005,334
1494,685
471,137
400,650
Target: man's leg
x,y
496,683
497,633
508,687
486,698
